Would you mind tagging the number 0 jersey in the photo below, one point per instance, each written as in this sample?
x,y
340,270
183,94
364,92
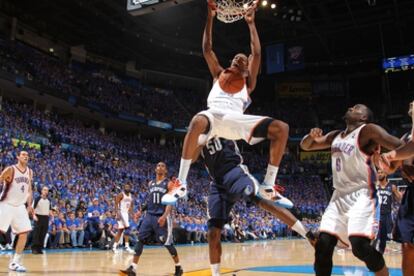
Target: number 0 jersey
x,y
351,168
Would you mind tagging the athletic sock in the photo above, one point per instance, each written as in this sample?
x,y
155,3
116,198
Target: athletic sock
x,y
127,244
115,245
184,168
271,174
215,269
178,264
17,258
299,228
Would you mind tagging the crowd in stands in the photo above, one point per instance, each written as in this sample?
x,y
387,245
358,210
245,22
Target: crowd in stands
x,y
100,87
84,170
114,92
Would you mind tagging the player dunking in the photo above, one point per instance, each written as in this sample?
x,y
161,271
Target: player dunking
x,y
232,182
157,221
123,207
386,193
16,191
224,117
404,231
351,214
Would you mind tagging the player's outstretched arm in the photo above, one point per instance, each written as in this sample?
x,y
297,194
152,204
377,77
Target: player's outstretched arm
x,y
208,53
315,140
380,136
256,49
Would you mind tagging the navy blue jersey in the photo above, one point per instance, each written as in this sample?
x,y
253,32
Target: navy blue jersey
x,y
385,199
156,191
221,156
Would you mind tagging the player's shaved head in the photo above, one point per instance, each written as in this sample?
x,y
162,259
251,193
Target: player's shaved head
x,y
359,113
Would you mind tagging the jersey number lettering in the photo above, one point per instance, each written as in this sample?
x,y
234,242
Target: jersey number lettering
x,y
214,145
338,164
156,198
22,188
383,200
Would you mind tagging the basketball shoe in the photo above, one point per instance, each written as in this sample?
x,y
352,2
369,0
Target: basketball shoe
x,y
176,190
272,193
14,266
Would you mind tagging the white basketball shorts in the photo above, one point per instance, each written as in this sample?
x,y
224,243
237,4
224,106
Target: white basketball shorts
x,y
123,222
14,216
232,126
351,214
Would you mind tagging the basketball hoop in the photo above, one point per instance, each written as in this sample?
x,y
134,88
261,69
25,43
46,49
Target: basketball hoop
x,y
230,11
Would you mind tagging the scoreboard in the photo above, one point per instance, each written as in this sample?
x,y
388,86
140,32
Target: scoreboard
x,y
397,64
140,7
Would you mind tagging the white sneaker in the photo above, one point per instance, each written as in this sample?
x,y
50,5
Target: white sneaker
x,y
2,248
129,250
270,193
283,201
266,191
115,250
8,247
17,267
179,190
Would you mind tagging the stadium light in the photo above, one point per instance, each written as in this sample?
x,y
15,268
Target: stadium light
x,y
273,6
264,3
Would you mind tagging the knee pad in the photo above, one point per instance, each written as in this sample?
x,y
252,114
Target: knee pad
x,y
139,247
217,223
323,254
326,243
172,250
261,129
362,249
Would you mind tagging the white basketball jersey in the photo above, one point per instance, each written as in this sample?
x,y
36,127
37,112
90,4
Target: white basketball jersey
x,y
223,102
17,192
125,202
351,168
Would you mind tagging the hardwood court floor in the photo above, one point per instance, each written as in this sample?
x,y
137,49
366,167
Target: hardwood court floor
x,y
280,257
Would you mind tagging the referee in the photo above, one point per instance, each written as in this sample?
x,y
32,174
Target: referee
x,y
42,207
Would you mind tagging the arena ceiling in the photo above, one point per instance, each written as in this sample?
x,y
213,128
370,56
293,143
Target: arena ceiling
x,y
330,30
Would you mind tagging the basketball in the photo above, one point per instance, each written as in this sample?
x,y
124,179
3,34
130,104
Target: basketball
x,y
231,81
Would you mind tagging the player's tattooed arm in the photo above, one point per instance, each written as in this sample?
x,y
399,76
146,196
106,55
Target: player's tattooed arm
x,y
315,140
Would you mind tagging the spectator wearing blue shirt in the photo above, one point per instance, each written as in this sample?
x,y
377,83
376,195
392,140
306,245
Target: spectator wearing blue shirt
x,y
94,212
76,230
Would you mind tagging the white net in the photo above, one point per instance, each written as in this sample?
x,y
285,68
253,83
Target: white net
x,y
229,11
